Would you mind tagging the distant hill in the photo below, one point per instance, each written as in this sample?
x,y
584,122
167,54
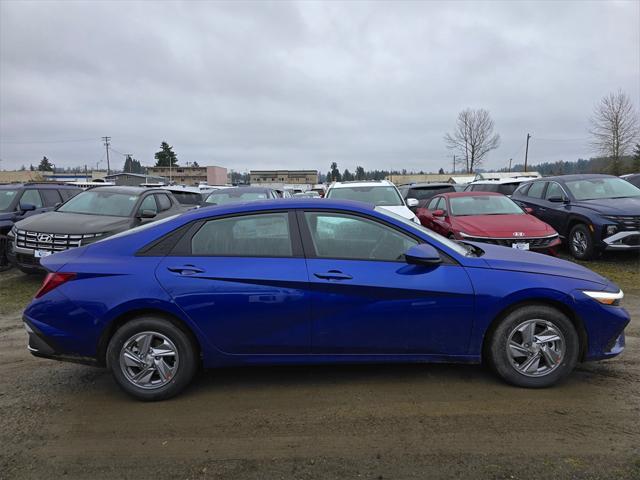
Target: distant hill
x,y
593,165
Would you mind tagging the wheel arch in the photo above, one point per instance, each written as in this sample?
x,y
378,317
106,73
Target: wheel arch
x,y
547,302
127,316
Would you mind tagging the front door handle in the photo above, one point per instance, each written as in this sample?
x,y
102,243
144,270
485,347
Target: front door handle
x,y
333,275
186,269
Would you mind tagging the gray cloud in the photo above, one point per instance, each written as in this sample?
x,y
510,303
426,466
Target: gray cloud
x,y
278,84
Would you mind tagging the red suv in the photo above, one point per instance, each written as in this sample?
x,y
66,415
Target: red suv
x,y
487,217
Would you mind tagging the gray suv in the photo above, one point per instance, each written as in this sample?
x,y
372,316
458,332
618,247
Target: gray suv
x,y
89,216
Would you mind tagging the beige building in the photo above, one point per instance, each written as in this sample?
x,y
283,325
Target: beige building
x,y
418,178
285,177
191,175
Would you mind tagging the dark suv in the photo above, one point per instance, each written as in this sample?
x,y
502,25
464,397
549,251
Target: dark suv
x,y
21,200
89,216
592,213
423,192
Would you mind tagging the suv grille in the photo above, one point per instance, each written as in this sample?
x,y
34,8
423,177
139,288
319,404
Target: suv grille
x,y
625,222
507,242
53,242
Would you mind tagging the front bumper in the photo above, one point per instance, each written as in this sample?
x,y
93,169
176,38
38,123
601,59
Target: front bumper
x,y
23,258
626,240
44,347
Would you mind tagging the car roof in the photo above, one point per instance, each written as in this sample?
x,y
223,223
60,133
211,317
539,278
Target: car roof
x,y
362,183
428,184
243,189
500,181
469,194
125,189
575,176
45,185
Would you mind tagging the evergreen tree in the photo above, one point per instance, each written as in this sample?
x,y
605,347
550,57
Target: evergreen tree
x,y
335,173
441,171
360,173
166,156
45,165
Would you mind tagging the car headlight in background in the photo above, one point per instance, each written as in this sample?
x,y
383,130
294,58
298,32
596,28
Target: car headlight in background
x,y
606,298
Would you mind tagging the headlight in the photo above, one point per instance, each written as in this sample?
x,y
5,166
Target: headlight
x,y
606,298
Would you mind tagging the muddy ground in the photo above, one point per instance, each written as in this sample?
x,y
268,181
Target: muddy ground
x,y
379,422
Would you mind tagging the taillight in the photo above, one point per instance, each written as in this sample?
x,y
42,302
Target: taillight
x,y
53,280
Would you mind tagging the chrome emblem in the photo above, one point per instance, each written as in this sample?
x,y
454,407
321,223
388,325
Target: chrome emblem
x,y
518,234
45,238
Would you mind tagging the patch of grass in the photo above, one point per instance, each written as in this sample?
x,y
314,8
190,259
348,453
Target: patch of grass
x,y
623,268
16,290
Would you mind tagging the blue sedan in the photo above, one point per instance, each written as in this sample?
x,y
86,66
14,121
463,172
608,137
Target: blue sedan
x,y
305,282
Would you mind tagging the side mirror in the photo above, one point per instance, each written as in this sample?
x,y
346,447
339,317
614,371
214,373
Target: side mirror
x,y
27,207
147,214
528,210
438,213
556,199
423,254
412,202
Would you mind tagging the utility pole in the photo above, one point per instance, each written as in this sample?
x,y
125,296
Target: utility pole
x,y
106,145
526,152
510,165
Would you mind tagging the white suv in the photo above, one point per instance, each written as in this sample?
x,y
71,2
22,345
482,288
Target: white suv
x,y
381,193
505,186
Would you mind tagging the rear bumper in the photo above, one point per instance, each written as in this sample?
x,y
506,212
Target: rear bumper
x,y
45,347
628,240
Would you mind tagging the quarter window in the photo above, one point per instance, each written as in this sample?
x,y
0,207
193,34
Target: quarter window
x,y
263,235
346,236
31,197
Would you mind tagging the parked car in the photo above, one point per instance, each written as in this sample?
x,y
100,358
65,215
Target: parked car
x,y
379,193
86,217
238,195
423,192
592,213
488,218
21,200
190,197
283,193
320,188
301,282
505,186
308,194
633,179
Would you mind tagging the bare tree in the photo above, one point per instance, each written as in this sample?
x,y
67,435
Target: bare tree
x,y
473,137
614,127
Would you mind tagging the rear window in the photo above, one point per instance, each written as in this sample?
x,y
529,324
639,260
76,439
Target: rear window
x,y
425,193
507,188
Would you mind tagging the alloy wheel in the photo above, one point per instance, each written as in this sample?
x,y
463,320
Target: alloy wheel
x,y
535,348
149,360
579,242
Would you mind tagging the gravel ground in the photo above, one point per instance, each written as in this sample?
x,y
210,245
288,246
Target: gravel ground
x,y
403,421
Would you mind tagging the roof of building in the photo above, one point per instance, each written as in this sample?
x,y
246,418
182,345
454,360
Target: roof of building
x,y
499,175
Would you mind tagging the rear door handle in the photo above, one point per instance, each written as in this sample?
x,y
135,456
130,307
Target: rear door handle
x,y
333,275
186,269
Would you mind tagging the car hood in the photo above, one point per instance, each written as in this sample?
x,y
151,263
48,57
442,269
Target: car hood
x,y
400,210
611,206
504,258
502,226
73,223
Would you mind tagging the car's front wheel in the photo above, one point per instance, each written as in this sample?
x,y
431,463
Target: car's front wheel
x,y
581,242
534,346
151,358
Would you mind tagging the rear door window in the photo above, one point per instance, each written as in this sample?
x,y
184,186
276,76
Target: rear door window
x,y
554,190
164,203
536,190
67,193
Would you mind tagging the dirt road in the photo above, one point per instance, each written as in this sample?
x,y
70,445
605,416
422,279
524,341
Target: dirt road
x,y
405,421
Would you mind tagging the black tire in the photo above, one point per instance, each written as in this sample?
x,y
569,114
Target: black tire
x,y
178,369
510,368
580,242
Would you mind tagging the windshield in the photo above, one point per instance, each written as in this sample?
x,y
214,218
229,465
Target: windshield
x,y
6,197
96,202
384,196
607,187
222,198
483,205
430,233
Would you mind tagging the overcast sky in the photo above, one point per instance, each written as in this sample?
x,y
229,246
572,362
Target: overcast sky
x,y
299,85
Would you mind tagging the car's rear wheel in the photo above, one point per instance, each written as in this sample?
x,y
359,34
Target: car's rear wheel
x,y
581,242
534,346
151,358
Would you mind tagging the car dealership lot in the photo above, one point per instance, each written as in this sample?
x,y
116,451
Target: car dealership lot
x,y
315,422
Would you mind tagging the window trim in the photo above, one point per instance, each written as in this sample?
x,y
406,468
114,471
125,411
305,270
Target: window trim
x,y
182,247
309,248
